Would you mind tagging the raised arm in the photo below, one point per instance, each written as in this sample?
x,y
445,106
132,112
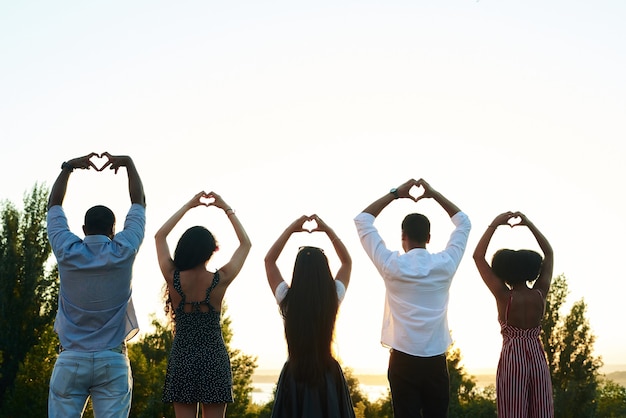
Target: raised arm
x,y
429,192
274,278
163,252
343,274
545,274
381,203
135,186
231,269
494,283
57,194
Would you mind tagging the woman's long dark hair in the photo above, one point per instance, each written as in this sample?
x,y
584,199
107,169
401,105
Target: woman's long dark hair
x,y
309,310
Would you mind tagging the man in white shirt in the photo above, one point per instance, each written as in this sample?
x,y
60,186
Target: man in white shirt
x,y
417,283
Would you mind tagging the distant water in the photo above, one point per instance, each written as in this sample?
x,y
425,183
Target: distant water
x,y
377,385
263,392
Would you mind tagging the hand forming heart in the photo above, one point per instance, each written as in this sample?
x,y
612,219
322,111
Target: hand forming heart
x,y
100,162
514,221
207,200
310,225
417,192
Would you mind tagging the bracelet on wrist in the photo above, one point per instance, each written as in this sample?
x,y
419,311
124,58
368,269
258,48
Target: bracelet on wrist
x,y
229,211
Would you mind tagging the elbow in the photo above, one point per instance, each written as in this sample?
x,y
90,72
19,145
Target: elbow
x,y
269,260
347,261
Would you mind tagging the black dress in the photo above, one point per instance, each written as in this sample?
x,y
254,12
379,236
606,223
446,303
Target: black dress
x,y
198,368
331,399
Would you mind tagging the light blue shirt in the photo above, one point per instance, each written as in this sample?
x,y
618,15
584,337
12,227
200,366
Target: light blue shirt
x,y
417,284
96,309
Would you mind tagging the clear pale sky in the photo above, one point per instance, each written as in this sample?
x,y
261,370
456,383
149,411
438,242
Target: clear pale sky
x,y
290,108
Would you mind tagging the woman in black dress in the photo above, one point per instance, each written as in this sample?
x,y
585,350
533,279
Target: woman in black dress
x,y
198,369
311,383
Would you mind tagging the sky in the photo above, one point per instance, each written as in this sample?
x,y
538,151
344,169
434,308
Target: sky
x,y
289,108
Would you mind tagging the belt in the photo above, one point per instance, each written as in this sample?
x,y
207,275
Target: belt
x,y
121,349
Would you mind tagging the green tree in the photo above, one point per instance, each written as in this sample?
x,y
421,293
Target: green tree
x,y
611,400
359,400
382,407
31,383
243,366
148,358
28,292
466,400
568,342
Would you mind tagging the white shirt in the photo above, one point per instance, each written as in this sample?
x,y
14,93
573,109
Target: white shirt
x,y
417,283
281,291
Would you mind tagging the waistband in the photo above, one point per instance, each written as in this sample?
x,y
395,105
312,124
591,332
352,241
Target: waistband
x,y
121,349
401,353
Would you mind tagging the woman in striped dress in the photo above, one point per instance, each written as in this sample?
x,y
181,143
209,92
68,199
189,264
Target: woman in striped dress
x,y
520,281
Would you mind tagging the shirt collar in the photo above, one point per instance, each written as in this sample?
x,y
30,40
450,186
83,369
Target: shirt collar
x,y
96,239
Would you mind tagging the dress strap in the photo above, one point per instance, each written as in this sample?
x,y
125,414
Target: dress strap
x,y
177,285
216,280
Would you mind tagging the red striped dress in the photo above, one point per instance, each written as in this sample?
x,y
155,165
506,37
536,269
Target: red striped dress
x,y
523,384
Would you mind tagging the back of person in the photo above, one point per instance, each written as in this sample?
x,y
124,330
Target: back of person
x,y
196,286
104,281
421,279
525,310
95,316
523,383
311,383
417,283
198,369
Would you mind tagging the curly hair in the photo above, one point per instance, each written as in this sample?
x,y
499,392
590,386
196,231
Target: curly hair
x,y
516,266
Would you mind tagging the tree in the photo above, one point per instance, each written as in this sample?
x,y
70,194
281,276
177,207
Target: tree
x,y
148,358
243,366
611,400
30,386
363,408
466,400
28,292
568,342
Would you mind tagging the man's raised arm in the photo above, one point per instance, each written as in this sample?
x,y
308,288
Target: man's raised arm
x,y
57,194
135,186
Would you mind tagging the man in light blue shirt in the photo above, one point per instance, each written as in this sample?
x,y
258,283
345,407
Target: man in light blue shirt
x,y
96,314
417,283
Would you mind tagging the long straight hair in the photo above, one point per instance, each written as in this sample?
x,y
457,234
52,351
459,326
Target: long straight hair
x,y
309,310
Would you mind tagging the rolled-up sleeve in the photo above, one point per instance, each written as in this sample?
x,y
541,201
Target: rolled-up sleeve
x,y
458,239
372,242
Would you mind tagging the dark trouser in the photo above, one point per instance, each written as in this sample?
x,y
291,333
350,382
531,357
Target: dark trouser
x,y
420,386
